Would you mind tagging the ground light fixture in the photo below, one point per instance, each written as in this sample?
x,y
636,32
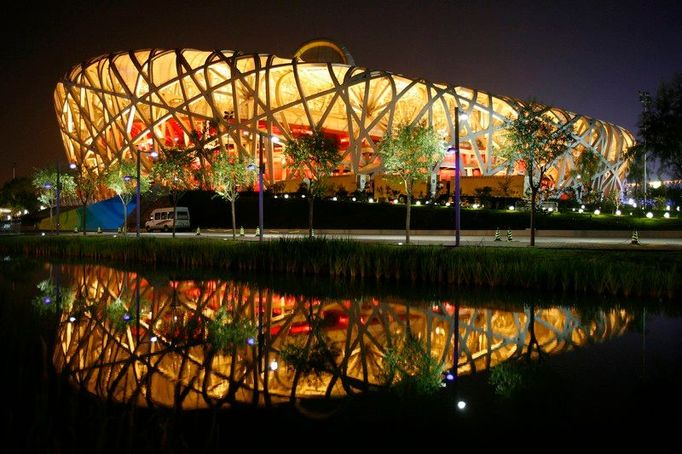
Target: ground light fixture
x,y
461,405
597,212
274,365
666,215
649,214
511,207
618,213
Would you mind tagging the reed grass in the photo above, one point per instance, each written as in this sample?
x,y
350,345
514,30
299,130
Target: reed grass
x,y
624,273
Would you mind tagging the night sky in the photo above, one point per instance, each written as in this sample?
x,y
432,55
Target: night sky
x,y
590,57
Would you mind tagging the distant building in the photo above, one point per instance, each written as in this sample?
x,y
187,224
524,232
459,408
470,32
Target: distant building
x,y
157,98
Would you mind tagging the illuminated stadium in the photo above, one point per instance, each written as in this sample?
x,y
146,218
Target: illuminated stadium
x,y
115,103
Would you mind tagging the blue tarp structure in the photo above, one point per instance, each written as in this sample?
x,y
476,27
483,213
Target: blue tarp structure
x,y
107,214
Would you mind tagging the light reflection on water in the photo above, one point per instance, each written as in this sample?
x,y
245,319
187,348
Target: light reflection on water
x,y
128,338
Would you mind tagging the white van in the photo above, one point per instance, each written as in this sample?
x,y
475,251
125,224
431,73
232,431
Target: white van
x,y
162,219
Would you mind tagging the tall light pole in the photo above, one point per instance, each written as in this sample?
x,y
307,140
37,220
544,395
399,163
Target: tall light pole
x,y
153,154
457,174
261,170
645,99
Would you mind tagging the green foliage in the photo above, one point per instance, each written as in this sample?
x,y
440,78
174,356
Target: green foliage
x,y
410,369
173,170
311,359
507,378
315,157
48,195
18,194
661,126
230,175
125,188
225,332
118,314
52,298
411,154
534,138
87,183
587,165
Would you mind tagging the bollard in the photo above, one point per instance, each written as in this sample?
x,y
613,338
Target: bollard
x,y
198,231
635,237
241,231
99,229
497,234
509,235
257,231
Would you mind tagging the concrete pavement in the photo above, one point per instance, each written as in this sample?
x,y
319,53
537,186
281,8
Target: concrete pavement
x,y
663,240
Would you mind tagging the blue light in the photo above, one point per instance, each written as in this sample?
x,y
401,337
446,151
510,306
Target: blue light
x,y
47,300
251,341
449,377
126,317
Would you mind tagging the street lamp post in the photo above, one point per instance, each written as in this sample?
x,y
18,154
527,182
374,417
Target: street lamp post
x,y
153,154
645,99
260,185
457,174
457,171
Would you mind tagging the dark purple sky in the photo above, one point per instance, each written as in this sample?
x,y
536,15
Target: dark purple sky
x,y
590,57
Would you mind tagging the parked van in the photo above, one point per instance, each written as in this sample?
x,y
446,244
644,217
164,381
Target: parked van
x,y
162,219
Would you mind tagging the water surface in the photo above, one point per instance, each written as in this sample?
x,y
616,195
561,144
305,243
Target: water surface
x,y
183,361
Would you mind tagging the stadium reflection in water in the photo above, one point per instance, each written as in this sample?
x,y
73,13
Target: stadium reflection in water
x,y
124,337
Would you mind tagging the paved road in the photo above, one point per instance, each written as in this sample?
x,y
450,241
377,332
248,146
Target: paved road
x,y
594,242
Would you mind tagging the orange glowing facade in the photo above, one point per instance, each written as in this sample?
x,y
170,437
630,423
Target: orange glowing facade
x,y
158,98
159,354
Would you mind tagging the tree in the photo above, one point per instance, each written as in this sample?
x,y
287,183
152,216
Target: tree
x,y
411,154
587,165
229,175
660,126
87,183
45,182
18,194
120,178
315,157
173,172
534,139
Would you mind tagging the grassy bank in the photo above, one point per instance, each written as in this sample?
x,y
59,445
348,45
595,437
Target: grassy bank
x,y
627,273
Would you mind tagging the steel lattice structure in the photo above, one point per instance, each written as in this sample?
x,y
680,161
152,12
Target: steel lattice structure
x,y
118,361
116,102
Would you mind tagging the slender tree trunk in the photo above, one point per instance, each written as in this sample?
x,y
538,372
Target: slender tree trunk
x,y
85,210
533,195
407,217
311,201
125,216
234,220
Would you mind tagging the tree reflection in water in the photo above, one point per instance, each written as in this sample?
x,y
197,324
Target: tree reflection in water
x,y
160,356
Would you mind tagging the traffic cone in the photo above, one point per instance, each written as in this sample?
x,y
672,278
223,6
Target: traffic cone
x,y
241,231
75,230
509,235
257,231
118,230
99,229
198,231
635,237
497,234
